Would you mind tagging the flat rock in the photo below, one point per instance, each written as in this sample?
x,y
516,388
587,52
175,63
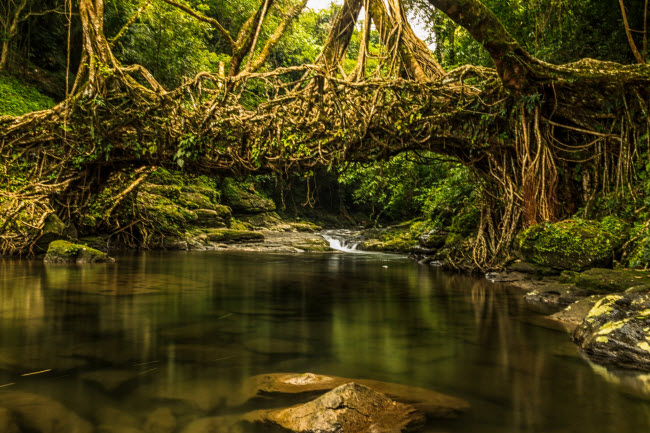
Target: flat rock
x,y
574,314
431,403
112,417
36,413
349,408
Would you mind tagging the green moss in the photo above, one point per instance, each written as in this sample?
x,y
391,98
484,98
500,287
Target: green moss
x,y
67,252
610,280
233,236
244,201
573,244
18,98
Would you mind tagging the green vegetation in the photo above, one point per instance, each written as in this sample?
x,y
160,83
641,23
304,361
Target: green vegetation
x,y
17,97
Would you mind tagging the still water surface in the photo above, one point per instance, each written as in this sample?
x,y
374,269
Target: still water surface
x,y
184,330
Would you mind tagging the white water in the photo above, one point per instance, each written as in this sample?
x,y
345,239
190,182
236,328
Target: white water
x,y
342,240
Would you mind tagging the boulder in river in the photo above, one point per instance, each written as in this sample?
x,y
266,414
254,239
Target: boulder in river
x,y
617,329
67,252
431,403
349,408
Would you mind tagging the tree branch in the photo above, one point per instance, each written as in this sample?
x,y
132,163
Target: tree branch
x,y
216,24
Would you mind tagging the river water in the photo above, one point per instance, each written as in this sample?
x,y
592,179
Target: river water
x,y
183,330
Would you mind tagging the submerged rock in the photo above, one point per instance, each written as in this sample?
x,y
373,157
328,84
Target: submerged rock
x,y
431,403
40,414
215,424
617,329
349,408
67,252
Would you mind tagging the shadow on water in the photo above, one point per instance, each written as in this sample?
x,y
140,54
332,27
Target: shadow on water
x,y
184,330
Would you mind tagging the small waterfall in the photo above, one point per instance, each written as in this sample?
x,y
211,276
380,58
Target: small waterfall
x,y
342,240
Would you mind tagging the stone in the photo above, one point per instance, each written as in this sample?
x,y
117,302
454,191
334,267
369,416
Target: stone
x,y
431,403
203,394
53,229
161,420
349,408
234,236
209,218
247,202
7,422
572,244
575,313
617,329
40,414
66,252
194,200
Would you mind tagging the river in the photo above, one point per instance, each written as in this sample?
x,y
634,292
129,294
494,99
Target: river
x,y
183,330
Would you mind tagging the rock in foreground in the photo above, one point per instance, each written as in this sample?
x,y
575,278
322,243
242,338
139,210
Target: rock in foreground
x,y
617,329
350,408
67,252
431,403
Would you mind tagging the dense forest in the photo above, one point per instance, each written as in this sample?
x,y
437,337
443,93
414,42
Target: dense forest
x,y
569,143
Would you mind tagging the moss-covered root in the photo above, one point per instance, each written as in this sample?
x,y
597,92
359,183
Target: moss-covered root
x,y
67,252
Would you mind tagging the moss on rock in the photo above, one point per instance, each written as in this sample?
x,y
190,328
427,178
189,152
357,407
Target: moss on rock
x,y
244,201
233,236
573,244
66,252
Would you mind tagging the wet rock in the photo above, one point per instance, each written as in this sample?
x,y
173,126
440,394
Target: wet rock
x,y
617,329
572,244
7,423
431,403
66,252
194,200
40,414
315,244
161,420
550,296
175,243
575,313
349,408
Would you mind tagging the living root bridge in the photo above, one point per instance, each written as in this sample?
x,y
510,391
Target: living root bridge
x,y
527,129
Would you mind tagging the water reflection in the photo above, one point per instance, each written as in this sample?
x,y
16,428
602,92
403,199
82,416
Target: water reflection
x,y
184,330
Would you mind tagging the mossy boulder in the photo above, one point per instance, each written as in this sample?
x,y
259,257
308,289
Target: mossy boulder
x,y
53,229
241,201
171,192
66,252
229,236
617,329
194,200
573,244
218,216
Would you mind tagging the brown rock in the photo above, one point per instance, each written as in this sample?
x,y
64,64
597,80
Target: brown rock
x,y
161,420
349,408
431,403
